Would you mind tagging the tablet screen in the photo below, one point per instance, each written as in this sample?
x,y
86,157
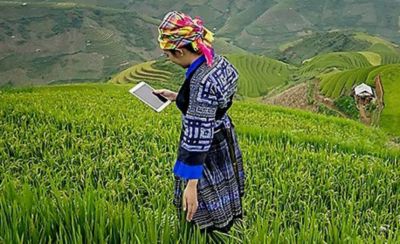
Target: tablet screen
x,y
145,92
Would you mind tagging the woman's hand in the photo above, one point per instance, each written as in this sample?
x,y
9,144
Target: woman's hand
x,y
170,95
190,202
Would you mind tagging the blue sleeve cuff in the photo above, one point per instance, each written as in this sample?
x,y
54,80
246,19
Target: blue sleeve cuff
x,y
188,171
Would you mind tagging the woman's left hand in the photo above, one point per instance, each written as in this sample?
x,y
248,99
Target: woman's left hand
x,y
170,95
190,202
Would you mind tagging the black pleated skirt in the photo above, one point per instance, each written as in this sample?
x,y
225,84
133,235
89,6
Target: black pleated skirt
x,y
220,190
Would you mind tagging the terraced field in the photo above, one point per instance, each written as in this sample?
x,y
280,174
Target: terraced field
x,y
77,168
144,71
309,46
388,54
335,85
259,75
352,65
373,58
338,84
337,61
390,117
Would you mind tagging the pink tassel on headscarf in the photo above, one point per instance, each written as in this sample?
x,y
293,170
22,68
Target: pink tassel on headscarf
x,y
207,51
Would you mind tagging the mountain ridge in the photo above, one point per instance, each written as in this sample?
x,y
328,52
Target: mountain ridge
x,y
113,35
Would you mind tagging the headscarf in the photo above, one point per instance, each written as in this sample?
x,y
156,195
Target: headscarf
x,y
178,29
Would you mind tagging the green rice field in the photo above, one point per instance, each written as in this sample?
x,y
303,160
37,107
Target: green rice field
x,y
139,72
89,163
259,75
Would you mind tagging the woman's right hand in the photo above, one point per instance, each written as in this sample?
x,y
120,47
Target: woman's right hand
x,y
170,95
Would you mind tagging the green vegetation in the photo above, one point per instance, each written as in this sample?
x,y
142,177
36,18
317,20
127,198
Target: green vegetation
x,y
160,73
337,84
67,42
390,117
80,165
326,63
376,50
373,39
347,105
90,163
373,58
143,71
113,35
259,75
341,71
245,16
389,55
340,84
321,43
225,46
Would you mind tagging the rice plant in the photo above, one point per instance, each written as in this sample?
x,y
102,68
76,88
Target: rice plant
x,y
91,164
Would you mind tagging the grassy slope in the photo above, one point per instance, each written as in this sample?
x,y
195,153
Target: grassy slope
x,y
256,25
161,73
382,57
290,20
337,41
388,54
379,52
373,58
259,75
390,75
244,17
62,42
335,85
94,159
321,43
338,84
329,48
141,71
335,61
223,46
374,39
339,72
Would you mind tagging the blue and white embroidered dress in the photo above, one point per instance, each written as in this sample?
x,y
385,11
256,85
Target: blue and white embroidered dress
x,y
204,99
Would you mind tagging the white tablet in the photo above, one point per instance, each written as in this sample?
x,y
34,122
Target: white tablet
x,y
145,93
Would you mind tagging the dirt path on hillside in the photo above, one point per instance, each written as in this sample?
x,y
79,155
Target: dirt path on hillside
x,y
294,97
300,97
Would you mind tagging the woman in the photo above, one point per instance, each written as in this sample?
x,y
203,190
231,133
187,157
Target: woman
x,y
209,165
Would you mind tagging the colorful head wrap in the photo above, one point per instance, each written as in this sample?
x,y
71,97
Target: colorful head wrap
x,y
178,29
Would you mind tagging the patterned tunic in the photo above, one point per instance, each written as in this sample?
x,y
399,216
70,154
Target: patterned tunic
x,y
204,98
